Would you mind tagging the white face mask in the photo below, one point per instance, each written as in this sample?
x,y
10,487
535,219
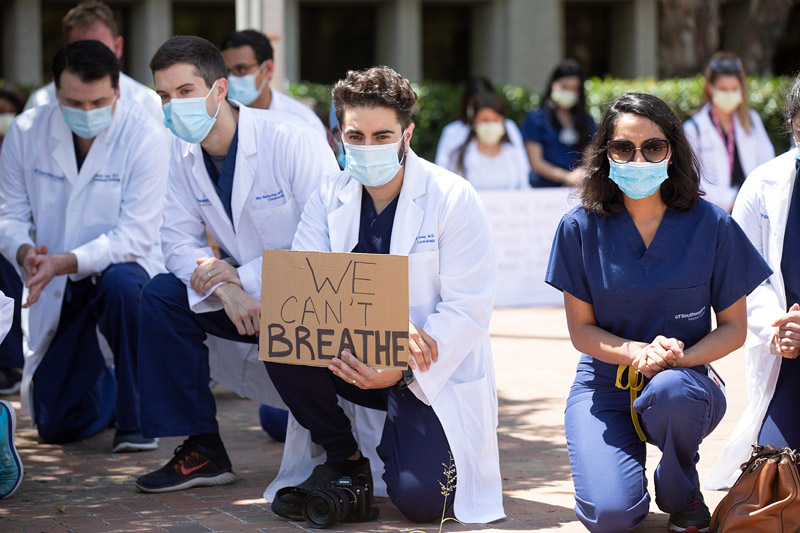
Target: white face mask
x,y
564,98
490,132
5,122
726,101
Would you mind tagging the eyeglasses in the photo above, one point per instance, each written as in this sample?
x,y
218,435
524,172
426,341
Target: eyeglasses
x,y
241,70
728,65
653,150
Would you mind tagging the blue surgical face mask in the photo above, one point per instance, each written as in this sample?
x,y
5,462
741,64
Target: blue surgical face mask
x,y
188,118
638,180
243,88
87,124
373,165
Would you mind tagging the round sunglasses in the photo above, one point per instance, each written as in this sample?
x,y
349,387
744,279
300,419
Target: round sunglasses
x,y
653,150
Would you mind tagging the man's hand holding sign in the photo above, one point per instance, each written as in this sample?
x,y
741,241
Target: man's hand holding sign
x,y
347,312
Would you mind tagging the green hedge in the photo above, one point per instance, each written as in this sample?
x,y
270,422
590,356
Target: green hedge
x,y
438,103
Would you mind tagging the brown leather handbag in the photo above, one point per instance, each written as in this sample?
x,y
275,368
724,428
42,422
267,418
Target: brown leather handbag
x,y
765,498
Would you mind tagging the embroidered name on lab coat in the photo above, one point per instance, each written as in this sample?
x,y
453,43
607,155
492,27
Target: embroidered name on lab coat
x,y
427,238
107,177
691,316
205,202
48,175
271,197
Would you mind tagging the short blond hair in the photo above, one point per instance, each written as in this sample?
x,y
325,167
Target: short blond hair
x,y
86,14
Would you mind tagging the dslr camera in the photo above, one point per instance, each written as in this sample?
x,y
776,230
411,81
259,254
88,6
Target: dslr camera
x,y
347,499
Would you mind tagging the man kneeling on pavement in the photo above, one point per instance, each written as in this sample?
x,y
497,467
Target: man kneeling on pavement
x,y
446,405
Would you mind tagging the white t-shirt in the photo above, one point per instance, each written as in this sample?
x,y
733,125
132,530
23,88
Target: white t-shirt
x,y
129,89
507,170
286,104
455,133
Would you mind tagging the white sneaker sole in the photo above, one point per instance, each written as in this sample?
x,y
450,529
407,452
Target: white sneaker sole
x,y
12,416
123,447
224,478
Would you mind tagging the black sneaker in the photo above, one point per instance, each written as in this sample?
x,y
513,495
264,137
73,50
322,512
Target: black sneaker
x,y
288,501
694,518
132,441
10,380
192,466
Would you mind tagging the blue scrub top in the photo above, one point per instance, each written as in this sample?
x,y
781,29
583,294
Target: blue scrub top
x,y
791,253
375,230
697,260
540,129
222,178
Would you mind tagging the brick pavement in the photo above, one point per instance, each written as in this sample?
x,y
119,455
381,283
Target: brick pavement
x,y
83,487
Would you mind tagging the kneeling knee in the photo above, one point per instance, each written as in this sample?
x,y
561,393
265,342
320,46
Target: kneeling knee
x,y
419,506
611,518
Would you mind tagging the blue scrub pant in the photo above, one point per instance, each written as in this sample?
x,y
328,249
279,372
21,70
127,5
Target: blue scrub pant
x,y
11,347
173,360
75,394
780,427
678,408
413,446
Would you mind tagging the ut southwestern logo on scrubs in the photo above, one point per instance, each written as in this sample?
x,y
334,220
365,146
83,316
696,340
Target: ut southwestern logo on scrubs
x,y
691,316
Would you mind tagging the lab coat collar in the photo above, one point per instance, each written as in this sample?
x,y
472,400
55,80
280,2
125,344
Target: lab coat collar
x,y
408,219
343,221
246,161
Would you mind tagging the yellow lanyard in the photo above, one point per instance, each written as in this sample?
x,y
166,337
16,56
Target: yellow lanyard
x,y
635,384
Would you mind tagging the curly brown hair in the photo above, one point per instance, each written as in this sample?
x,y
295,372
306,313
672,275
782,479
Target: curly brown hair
x,y
375,87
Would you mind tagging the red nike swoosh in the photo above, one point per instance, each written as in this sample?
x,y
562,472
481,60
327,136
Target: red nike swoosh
x,y
186,471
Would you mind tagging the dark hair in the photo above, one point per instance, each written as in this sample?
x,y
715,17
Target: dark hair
x,y
86,14
14,96
256,40
375,87
88,60
791,104
191,50
728,64
580,117
681,190
482,100
475,85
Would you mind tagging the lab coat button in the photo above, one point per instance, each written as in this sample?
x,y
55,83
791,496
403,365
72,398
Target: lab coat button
x,y
57,294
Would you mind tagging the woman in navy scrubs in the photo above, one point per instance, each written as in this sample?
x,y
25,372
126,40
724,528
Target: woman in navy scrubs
x,y
642,263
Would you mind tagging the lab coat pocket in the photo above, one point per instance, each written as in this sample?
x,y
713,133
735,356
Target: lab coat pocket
x,y
423,277
474,398
688,313
105,201
276,226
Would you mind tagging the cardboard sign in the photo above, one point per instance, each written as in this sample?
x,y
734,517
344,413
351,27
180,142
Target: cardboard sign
x,y
315,304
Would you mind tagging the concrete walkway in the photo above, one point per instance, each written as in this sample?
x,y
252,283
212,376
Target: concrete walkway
x,y
83,487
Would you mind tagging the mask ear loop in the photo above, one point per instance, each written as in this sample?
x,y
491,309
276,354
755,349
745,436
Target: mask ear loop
x,y
264,83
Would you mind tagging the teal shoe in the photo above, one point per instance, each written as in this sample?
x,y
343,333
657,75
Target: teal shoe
x,y
10,464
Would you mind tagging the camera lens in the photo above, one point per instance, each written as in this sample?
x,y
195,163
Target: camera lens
x,y
324,507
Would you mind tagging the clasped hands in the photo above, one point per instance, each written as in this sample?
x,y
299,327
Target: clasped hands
x,y
41,268
661,354
786,340
422,347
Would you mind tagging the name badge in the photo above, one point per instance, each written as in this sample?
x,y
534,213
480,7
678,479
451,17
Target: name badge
x,y
715,378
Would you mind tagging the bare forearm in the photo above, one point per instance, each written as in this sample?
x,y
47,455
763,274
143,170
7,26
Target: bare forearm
x,y
716,345
605,346
65,264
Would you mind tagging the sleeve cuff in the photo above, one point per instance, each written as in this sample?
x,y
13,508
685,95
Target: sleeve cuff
x,y
204,304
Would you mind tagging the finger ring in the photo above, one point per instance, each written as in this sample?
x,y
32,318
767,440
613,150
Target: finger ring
x,y
210,274
354,382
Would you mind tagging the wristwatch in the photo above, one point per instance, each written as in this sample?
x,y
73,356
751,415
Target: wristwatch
x,y
406,380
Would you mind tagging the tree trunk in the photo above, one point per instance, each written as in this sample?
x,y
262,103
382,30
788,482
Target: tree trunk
x,y
766,24
690,32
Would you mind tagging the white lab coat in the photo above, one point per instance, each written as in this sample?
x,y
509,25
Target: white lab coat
x,y
283,103
454,134
441,226
6,315
761,209
107,213
754,149
129,89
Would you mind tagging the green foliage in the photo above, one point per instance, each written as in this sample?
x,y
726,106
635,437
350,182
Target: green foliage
x,y
438,102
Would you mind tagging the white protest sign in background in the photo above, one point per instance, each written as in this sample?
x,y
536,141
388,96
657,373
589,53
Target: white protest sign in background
x,y
523,224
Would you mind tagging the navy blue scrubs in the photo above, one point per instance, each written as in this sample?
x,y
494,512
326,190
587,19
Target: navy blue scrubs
x,y
412,477
780,427
698,260
173,357
11,347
